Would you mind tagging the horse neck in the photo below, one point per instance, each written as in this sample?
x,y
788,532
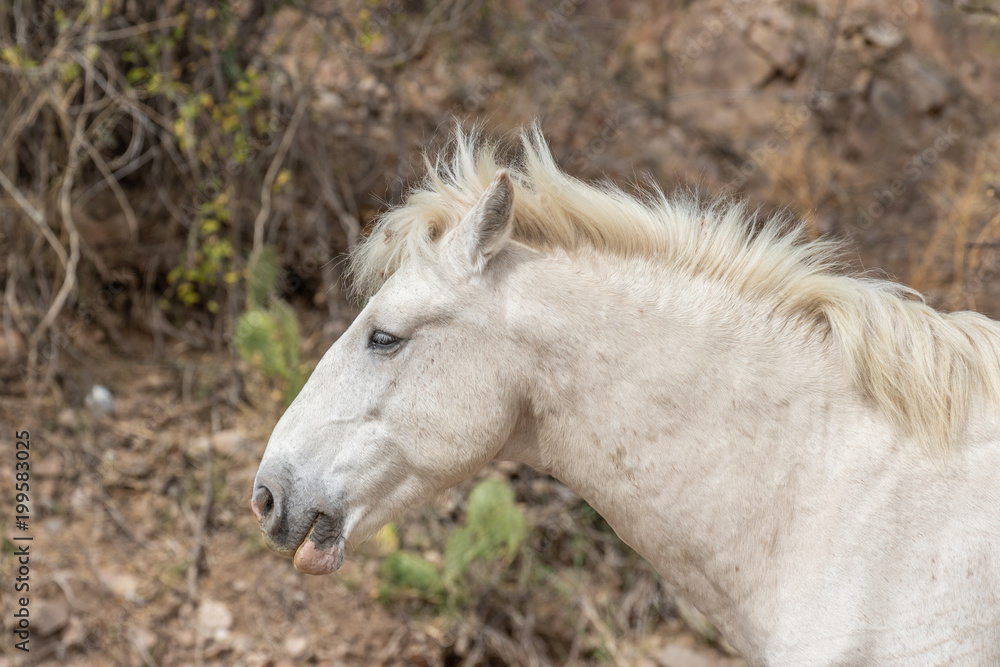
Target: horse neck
x,y
685,414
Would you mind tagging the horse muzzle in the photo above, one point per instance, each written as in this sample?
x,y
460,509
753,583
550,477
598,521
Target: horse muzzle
x,y
313,536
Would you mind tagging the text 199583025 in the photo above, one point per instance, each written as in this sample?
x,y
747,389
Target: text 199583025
x,y
22,540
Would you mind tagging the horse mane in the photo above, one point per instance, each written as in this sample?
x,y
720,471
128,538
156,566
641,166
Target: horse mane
x,y
923,368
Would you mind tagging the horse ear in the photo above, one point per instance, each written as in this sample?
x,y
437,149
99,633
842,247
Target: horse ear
x,y
489,224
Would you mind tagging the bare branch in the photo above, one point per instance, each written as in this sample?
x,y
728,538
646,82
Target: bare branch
x,y
35,216
427,28
127,101
134,144
976,8
329,195
132,31
69,279
119,174
12,312
272,171
109,178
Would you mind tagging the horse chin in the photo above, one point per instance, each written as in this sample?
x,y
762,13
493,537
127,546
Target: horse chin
x,y
322,550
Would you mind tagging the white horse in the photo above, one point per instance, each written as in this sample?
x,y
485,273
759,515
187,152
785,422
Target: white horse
x,y
811,459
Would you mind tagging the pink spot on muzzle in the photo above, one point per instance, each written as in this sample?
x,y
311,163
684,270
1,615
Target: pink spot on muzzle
x,y
310,559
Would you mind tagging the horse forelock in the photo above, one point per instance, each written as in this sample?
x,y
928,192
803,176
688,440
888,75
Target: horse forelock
x,y
923,368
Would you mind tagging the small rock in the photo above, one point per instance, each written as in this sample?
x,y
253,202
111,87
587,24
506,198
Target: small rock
x,y
242,643
134,464
49,617
296,647
327,101
52,467
99,401
80,499
214,619
122,585
76,633
507,467
885,100
142,639
184,638
198,446
929,88
882,35
541,487
54,525
774,38
154,381
257,659
677,656
67,419
228,442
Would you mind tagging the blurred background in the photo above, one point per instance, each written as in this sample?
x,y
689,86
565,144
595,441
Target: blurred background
x,y
180,182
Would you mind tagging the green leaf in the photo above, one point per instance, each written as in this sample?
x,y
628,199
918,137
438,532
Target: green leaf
x,y
257,342
409,571
459,551
288,332
262,276
499,525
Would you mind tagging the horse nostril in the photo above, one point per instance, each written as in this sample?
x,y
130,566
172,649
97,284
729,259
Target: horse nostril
x,y
262,503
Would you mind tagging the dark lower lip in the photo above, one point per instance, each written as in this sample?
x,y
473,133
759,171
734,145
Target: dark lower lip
x,y
324,530
285,549
278,549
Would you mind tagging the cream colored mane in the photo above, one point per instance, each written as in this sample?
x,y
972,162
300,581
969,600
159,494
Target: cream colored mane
x,y
922,367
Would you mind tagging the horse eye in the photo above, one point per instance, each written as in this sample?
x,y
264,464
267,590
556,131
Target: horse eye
x,y
382,341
